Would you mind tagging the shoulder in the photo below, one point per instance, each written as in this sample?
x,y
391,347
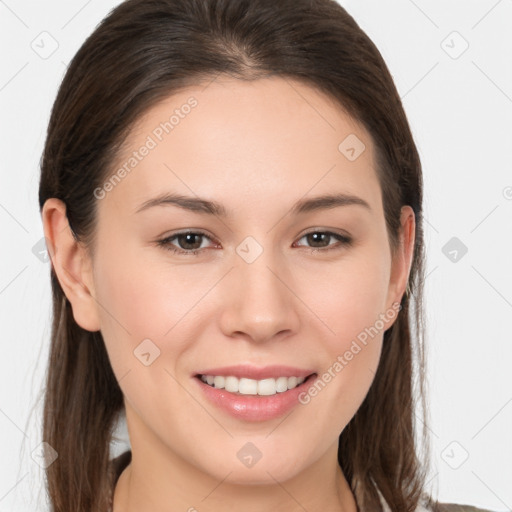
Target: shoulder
x,y
457,507
437,506
428,504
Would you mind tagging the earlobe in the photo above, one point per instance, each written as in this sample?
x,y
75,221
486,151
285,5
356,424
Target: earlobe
x,y
71,264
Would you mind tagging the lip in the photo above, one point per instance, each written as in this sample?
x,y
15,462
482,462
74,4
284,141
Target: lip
x,y
254,408
257,373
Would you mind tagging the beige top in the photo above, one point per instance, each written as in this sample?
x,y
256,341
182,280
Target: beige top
x,y
120,462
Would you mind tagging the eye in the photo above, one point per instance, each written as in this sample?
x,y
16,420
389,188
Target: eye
x,y
190,242
320,240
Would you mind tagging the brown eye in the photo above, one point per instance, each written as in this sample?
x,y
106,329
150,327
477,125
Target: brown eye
x,y
320,240
188,242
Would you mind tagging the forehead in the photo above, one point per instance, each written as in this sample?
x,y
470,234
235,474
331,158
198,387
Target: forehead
x,y
252,140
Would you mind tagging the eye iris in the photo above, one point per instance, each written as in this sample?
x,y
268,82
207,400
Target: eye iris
x,y
187,237
314,238
192,241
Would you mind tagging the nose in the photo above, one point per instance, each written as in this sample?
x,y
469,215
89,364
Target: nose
x,y
259,303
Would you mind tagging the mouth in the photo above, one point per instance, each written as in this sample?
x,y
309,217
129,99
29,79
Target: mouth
x,y
255,395
247,379
246,386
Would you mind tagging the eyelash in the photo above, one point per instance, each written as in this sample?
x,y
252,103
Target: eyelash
x,y
165,243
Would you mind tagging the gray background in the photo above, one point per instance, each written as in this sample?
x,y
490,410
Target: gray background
x,y
451,61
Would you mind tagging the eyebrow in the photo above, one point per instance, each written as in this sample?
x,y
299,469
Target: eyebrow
x,y
199,205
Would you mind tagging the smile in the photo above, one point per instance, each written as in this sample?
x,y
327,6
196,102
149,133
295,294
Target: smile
x,y
246,386
254,400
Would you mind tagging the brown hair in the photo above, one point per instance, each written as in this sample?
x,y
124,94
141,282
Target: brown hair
x,y
144,51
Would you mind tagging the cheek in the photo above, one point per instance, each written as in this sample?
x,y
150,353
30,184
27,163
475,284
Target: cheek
x,y
139,301
350,299
135,303
138,295
348,296
143,307
129,298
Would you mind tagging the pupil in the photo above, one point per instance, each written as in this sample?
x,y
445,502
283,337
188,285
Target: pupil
x,y
187,237
314,237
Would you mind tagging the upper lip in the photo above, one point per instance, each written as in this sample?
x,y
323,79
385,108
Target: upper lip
x,y
257,373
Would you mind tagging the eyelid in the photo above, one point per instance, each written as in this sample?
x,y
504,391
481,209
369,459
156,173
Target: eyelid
x,y
189,231
343,240
326,231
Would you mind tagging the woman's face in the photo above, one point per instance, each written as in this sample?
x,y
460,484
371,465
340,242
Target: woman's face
x,y
251,288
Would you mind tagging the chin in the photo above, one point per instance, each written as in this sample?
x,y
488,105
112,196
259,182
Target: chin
x,y
264,475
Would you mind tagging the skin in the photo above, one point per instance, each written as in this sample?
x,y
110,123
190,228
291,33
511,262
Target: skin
x,y
256,147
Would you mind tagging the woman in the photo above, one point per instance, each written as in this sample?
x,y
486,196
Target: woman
x,y
232,200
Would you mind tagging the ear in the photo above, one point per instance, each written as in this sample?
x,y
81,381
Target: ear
x,y
402,261
71,263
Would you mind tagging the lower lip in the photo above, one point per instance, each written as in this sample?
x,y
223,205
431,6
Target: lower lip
x,y
255,407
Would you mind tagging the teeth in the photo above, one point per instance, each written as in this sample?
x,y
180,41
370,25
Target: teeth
x,y
245,386
218,382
